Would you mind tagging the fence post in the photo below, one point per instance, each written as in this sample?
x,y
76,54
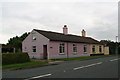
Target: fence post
x,y
14,50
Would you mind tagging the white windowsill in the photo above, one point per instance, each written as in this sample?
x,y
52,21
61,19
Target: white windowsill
x,y
33,52
61,53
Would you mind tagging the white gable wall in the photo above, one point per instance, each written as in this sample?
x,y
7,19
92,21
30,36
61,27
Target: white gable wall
x,y
39,42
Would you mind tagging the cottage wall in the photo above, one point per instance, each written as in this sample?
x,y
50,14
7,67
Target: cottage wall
x,y
54,50
35,38
80,50
96,49
39,42
106,50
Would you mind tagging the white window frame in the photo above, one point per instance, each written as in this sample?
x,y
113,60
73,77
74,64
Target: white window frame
x,y
85,48
100,47
74,48
61,48
34,48
34,36
94,49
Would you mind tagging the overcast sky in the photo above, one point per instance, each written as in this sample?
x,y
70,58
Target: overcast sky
x,y
98,18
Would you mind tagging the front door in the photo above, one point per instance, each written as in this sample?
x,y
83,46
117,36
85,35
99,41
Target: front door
x,y
44,51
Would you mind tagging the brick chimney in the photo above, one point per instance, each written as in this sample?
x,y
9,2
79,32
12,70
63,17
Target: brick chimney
x,y
83,33
65,29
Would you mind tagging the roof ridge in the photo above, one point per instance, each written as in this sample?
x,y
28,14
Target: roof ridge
x,y
66,37
48,31
59,33
62,33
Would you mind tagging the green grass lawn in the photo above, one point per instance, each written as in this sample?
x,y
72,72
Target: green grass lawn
x,y
24,65
82,58
43,63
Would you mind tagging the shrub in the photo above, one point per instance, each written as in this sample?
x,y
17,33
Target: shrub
x,y
12,58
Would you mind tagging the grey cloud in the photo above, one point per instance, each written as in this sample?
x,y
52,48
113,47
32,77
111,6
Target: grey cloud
x,y
95,18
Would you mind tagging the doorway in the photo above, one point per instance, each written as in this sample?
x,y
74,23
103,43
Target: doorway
x,y
44,51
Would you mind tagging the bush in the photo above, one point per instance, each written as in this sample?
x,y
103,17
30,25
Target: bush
x,y
12,58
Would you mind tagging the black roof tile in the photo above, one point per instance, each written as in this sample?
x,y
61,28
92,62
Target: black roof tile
x,y
54,36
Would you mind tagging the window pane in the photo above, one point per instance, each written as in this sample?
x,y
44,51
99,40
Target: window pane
x,y
34,38
93,49
34,48
100,49
85,48
33,35
74,48
61,48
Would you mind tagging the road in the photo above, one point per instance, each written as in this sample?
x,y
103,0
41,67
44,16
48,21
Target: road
x,y
106,67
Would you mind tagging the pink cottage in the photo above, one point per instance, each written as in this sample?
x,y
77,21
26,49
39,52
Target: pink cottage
x,y
41,44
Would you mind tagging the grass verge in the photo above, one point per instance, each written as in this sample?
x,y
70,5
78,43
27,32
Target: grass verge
x,y
44,63
24,65
82,58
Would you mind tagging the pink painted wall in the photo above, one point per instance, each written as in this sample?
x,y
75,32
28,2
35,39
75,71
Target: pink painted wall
x,y
52,47
39,42
54,50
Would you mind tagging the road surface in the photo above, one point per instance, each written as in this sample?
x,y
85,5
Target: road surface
x,y
106,67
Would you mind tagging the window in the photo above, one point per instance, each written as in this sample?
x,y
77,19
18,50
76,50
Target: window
x,y
85,48
74,48
61,48
93,49
100,48
34,37
34,48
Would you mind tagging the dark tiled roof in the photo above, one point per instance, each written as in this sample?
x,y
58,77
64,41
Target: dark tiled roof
x,y
54,36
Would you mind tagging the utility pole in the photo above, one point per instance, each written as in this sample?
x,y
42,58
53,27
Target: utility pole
x,y
116,46
0,48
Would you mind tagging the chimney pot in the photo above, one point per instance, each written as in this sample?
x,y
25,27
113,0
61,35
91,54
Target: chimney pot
x,y
83,33
65,25
65,29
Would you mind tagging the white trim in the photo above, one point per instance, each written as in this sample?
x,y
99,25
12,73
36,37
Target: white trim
x,y
34,48
63,48
61,53
86,48
75,47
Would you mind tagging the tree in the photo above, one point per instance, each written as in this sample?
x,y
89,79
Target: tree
x,y
22,37
17,42
112,46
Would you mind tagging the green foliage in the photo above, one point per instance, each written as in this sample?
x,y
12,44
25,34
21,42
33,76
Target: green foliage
x,y
107,41
12,58
17,42
112,46
22,37
25,65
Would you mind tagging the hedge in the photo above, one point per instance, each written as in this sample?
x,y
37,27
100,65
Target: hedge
x,y
12,58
